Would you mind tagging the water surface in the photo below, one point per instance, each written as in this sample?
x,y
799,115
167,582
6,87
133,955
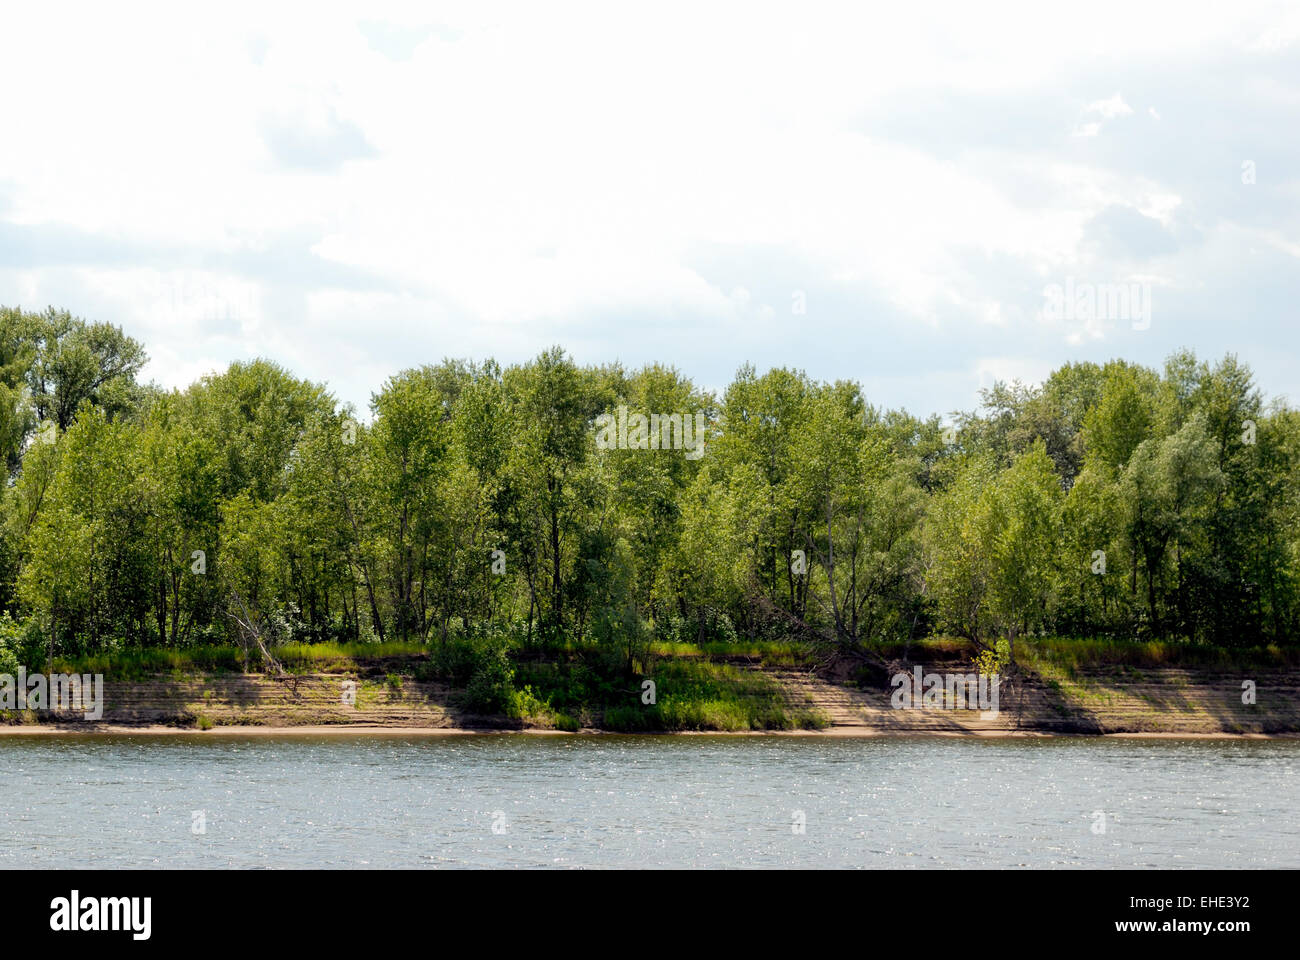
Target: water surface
x,y
567,802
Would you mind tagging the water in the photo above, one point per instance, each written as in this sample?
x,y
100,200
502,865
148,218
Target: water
x,y
405,801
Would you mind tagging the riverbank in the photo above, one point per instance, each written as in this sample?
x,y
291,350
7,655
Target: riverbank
x,y
361,730
746,695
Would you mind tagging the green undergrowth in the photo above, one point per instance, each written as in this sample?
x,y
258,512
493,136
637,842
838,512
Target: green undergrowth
x,y
136,664
762,653
688,694
1071,655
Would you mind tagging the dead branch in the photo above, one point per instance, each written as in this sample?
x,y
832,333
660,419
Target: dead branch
x,y
249,631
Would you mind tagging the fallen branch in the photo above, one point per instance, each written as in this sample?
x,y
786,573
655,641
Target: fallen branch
x,y
249,631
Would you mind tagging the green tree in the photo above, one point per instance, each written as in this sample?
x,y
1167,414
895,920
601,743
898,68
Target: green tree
x,y
75,362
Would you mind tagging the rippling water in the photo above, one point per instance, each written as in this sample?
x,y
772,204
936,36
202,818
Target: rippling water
x,y
380,801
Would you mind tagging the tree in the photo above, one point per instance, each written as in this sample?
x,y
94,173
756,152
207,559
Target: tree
x,y
75,362
549,410
1124,416
867,515
1168,487
17,414
993,542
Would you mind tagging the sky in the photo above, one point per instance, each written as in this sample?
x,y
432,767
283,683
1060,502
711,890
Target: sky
x,y
882,193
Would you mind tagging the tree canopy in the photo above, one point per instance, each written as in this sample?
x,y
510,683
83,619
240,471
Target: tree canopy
x,y
1110,500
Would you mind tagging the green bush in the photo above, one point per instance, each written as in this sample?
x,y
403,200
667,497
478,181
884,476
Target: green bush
x,y
455,660
491,687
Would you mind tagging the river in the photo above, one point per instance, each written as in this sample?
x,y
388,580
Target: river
x,y
614,801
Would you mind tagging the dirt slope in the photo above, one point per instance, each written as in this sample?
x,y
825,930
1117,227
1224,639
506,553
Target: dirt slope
x,y
1099,701
1117,700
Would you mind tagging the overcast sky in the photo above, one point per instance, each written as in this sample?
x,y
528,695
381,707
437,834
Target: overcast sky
x,y
879,194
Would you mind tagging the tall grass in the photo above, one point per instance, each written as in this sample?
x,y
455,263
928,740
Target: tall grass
x,y
772,653
328,656
132,664
1074,653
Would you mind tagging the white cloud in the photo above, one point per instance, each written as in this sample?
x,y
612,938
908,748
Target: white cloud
x,y
1110,108
489,180
1107,109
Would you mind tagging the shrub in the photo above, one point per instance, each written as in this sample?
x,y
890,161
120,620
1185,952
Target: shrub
x,y
455,660
991,663
491,687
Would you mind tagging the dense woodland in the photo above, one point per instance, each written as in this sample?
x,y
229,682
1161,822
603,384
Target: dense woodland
x,y
1112,500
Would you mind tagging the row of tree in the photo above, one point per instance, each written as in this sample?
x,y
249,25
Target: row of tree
x,y
1113,500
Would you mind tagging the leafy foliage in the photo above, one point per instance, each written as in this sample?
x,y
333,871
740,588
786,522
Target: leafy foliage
x,y
473,507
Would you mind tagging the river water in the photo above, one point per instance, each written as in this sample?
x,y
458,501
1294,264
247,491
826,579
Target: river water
x,y
614,801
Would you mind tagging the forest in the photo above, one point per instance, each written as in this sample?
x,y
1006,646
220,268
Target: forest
x,y
473,500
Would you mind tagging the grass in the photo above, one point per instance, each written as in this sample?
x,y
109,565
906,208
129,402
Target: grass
x,y
768,653
152,661
1071,654
135,664
928,648
1063,656
1065,653
333,657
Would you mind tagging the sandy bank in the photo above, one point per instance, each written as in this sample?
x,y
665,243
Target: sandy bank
x,y
1151,703
360,729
